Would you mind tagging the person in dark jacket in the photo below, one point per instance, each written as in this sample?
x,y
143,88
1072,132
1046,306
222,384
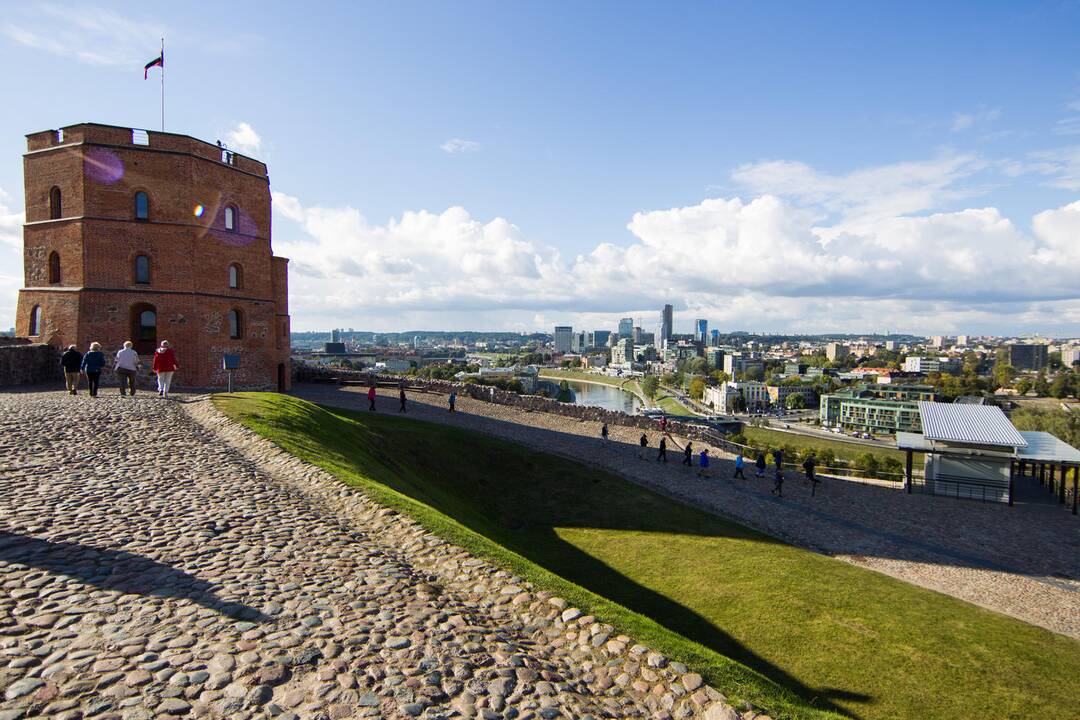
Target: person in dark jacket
x,y
402,397
662,454
760,465
71,360
92,363
453,400
688,454
808,467
644,442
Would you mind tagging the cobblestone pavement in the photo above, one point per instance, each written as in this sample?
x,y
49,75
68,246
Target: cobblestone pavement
x,y
158,561
1021,561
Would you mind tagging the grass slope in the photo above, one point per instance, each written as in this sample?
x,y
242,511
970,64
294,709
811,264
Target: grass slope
x,y
786,629
842,450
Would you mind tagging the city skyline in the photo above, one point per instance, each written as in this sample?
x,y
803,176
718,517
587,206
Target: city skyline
x,y
757,179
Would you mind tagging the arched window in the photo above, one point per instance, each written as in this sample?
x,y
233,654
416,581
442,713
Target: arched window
x,y
236,324
142,206
35,320
54,267
55,210
236,276
142,270
230,218
144,327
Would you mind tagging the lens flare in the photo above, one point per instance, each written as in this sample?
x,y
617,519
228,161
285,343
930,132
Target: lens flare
x,y
199,210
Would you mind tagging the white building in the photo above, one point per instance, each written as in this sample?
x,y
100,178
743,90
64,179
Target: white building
x,y
754,394
836,351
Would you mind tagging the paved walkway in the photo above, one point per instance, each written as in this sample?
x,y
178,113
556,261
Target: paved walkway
x,y
1021,561
153,565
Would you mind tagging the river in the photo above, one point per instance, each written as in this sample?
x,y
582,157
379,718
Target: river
x,y
605,396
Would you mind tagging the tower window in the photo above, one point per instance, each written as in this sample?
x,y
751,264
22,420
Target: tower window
x,y
142,270
236,324
142,206
55,209
35,320
236,276
230,218
54,267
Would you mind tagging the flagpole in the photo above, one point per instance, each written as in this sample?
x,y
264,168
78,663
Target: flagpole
x,y
162,84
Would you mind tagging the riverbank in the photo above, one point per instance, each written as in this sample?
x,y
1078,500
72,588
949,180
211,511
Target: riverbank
x,y
629,385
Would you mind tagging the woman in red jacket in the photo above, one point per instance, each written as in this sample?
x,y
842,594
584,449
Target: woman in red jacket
x,y
164,365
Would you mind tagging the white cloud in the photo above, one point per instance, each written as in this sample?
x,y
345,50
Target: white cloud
x,y
966,121
11,253
1060,166
244,139
459,145
91,35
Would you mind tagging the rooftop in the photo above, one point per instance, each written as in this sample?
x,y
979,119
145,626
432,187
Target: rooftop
x,y
968,424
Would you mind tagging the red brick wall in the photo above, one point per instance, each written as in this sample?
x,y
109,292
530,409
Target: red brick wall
x,y
190,252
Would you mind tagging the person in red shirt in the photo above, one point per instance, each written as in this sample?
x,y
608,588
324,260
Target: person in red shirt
x,y
371,396
164,365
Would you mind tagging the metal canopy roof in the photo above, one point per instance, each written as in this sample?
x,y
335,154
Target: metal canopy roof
x,y
970,424
1047,448
912,441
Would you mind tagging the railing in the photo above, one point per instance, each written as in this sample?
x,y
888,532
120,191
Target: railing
x,y
962,488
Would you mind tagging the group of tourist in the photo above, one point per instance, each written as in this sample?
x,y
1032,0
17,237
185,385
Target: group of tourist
x,y
126,365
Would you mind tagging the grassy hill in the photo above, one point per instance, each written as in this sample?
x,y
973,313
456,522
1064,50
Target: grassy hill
x,y
796,633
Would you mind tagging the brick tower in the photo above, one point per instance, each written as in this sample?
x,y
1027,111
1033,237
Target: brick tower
x,y
148,236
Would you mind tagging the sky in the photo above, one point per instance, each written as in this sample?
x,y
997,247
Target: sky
x,y
769,166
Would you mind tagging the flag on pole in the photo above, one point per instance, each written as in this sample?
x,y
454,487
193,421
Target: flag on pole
x,y
159,61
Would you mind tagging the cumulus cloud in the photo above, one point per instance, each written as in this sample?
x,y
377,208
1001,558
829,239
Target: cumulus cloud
x,y
244,139
459,145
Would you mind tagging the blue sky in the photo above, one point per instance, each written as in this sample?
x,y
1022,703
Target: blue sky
x,y
769,166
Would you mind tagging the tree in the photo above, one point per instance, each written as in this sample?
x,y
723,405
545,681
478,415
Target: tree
x,y
1003,374
697,388
1061,386
650,385
755,373
796,401
719,376
1023,386
1042,387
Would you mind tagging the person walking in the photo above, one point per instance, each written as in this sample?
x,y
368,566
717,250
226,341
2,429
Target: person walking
x,y
604,433
778,458
453,400
662,453
703,463
687,454
71,361
760,465
663,424
92,363
739,462
778,488
127,367
164,365
644,442
402,398
808,467
371,397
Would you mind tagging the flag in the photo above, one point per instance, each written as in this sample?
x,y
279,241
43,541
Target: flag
x,y
159,61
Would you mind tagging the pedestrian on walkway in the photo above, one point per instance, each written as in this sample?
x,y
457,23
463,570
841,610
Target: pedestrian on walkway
x,y
92,363
71,361
604,432
687,454
778,458
453,399
760,465
663,424
662,454
164,365
644,446
739,462
127,367
401,396
808,467
703,463
778,488
371,397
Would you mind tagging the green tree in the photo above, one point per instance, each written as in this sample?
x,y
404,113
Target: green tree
x,y
719,376
1062,386
1023,386
1003,374
650,385
697,388
565,395
1042,387
796,401
868,463
755,373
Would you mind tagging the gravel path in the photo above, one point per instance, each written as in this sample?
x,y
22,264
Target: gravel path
x,y
1022,561
158,561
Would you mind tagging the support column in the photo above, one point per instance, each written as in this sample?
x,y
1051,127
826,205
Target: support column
x,y
1061,485
910,455
1076,487
1012,468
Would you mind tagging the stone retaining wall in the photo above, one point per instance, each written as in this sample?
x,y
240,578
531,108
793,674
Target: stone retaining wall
x,y
25,363
616,664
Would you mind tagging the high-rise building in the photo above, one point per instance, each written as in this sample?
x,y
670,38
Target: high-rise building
x,y
1027,357
836,351
667,320
335,335
962,340
564,338
937,341
626,327
701,330
714,337
600,337
623,352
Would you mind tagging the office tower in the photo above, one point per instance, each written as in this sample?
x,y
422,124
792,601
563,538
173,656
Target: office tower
x,y
563,338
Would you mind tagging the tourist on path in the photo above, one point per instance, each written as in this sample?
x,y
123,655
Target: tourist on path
x,y
71,361
164,365
808,468
739,462
371,397
662,454
402,397
92,363
663,424
687,454
127,367
778,458
644,442
778,488
453,400
703,463
604,432
760,465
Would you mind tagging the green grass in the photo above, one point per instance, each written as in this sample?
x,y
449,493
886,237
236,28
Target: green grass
x,y
671,406
794,632
842,450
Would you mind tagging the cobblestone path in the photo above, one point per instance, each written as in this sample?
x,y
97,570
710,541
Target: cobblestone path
x,y
1022,561
152,568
